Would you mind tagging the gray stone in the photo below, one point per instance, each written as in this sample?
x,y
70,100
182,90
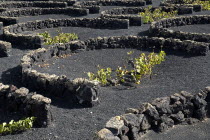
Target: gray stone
x,y
130,120
151,111
178,118
145,124
162,105
21,92
132,110
105,134
165,123
115,125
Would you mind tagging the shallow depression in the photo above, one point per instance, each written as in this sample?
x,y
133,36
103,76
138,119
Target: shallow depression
x,y
196,28
175,74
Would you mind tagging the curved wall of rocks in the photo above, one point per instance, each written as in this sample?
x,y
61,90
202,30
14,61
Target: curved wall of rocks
x,y
28,103
41,4
159,28
88,90
5,48
132,13
159,115
45,11
8,17
13,34
79,89
114,3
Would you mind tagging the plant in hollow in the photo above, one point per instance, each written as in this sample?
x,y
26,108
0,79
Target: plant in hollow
x,y
21,125
149,16
141,66
102,75
60,38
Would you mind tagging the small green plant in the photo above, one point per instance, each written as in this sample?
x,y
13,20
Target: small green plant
x,y
60,38
141,66
12,126
205,4
102,75
149,16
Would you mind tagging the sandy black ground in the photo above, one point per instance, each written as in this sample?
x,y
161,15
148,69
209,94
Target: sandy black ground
x,y
71,122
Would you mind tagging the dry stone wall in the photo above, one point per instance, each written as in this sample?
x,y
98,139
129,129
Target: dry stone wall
x,y
9,17
132,13
159,115
28,103
13,34
159,28
5,48
80,90
41,4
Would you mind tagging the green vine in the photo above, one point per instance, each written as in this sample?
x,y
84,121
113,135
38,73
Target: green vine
x,y
12,126
205,4
141,66
149,16
102,75
60,38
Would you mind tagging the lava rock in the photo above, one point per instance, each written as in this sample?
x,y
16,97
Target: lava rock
x,y
115,125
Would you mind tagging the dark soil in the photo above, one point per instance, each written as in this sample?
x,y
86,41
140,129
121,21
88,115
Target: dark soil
x,y
72,122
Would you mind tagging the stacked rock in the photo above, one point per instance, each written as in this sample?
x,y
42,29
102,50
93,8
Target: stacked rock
x,y
28,103
160,115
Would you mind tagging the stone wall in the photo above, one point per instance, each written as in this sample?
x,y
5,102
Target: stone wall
x,y
159,115
114,3
159,28
13,34
9,17
196,8
28,103
137,42
80,90
45,11
5,48
95,9
41,4
132,13
88,93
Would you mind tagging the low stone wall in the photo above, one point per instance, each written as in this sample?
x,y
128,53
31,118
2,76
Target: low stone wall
x,y
159,115
83,90
132,13
125,13
159,28
80,90
8,20
9,17
41,4
95,9
5,48
196,8
114,3
28,103
45,11
13,33
69,2
137,42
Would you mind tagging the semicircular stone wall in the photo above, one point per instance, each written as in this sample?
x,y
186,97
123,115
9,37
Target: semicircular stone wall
x,y
160,28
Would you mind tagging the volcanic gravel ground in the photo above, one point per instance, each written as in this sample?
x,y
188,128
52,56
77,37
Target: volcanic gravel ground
x,y
71,122
177,73
189,132
86,33
198,28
